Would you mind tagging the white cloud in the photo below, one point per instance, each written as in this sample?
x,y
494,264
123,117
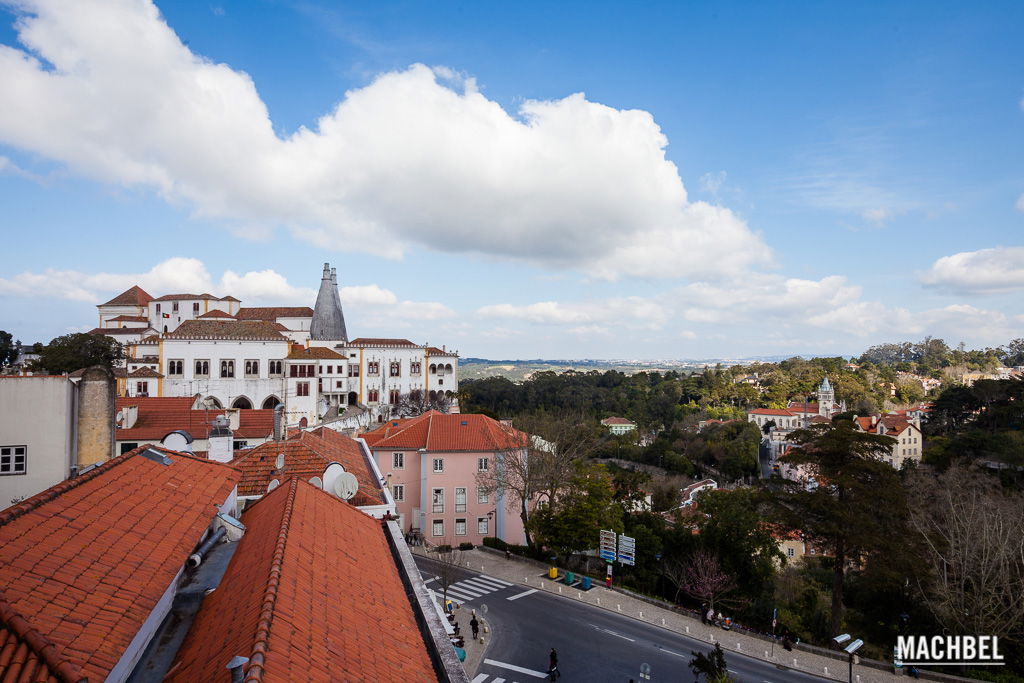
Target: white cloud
x,y
711,183
638,311
1020,203
999,269
371,295
418,157
877,215
264,286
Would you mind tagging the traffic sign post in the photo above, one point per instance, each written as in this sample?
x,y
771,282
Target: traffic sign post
x,y
627,550
608,545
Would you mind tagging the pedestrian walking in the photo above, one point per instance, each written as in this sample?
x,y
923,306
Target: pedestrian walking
x,y
711,615
553,671
475,625
703,613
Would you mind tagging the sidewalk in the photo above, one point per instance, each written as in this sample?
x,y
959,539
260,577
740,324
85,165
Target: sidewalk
x,y
528,573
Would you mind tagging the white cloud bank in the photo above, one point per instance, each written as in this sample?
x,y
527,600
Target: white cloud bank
x,y
1000,269
416,157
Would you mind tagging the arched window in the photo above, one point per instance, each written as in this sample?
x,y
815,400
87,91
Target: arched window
x,y
271,402
433,369
448,369
242,402
202,368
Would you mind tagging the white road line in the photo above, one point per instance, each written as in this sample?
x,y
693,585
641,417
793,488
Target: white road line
x,y
429,580
468,588
613,633
491,578
520,669
480,678
673,653
460,596
484,584
499,680
523,594
488,582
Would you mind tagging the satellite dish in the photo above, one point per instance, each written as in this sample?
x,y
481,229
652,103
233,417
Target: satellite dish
x,y
331,474
346,486
274,483
279,463
317,482
178,440
323,407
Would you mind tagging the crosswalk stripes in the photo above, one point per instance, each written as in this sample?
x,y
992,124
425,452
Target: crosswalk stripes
x,y
475,587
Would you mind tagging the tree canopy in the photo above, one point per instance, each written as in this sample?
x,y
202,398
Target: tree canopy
x,y
71,352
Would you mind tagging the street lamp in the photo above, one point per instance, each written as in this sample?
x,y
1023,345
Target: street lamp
x,y
849,649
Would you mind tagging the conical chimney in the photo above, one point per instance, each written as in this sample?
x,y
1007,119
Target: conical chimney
x,y
328,319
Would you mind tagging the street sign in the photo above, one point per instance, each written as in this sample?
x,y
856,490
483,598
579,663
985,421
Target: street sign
x,y
627,550
608,545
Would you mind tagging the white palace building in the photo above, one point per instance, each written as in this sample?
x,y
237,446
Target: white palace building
x,y
236,357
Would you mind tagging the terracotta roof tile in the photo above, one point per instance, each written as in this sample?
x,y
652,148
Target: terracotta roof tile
x,y
438,431
184,297
135,296
117,331
617,421
227,329
274,312
215,313
313,594
307,455
159,416
85,562
314,353
434,351
380,341
771,411
130,319
799,406
144,372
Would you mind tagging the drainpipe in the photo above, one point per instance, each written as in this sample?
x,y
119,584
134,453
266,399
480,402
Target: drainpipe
x,y
196,558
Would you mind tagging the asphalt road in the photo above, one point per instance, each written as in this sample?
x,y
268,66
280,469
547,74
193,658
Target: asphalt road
x,y
593,644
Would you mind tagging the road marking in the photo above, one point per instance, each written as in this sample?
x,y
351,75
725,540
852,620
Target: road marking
x,y
523,594
499,680
480,678
677,654
520,669
460,596
613,633
429,580
472,590
490,585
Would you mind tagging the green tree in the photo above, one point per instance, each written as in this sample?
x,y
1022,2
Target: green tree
x,y
859,506
72,352
8,349
570,523
712,665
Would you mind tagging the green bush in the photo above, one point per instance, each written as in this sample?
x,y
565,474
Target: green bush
x,y
495,542
466,546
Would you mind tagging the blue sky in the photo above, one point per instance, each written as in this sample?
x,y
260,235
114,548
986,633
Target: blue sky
x,y
521,180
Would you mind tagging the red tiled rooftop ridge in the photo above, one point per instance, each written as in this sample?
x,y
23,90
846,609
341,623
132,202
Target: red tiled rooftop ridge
x,y
314,353
28,655
307,455
85,562
159,416
380,341
617,421
215,313
437,431
258,330
271,313
308,595
134,296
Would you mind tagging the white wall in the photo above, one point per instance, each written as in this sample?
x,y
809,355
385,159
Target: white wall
x,y
38,413
225,390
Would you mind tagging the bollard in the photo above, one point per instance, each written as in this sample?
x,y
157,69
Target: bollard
x,y
579,596
618,607
641,615
739,647
663,622
559,589
687,628
826,671
766,654
599,602
794,662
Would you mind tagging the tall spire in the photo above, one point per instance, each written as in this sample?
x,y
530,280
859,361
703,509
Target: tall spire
x,y
328,320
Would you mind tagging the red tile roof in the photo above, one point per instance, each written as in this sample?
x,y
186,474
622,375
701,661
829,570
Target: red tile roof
x,y
136,296
83,564
894,424
307,455
313,353
313,594
274,312
116,331
227,329
771,411
143,372
380,341
434,351
617,421
438,431
183,297
215,313
158,417
797,406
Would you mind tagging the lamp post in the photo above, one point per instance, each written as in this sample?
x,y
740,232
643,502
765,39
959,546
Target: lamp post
x,y
850,649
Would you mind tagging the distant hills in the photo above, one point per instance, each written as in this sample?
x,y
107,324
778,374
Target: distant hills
x,y
518,370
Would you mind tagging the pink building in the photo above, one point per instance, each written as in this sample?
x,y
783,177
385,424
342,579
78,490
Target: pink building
x,y
433,464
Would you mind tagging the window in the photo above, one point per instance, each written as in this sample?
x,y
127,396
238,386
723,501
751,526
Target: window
x,y
433,369
276,368
460,527
329,369
142,388
302,388
373,368
353,370
127,446
239,445
252,368
337,384
482,496
439,464
482,464
396,369
158,309
202,368
398,491
437,500
460,500
394,396
482,526
175,368
372,396
415,368
790,552
227,368
195,308
12,460
174,307
438,527
398,460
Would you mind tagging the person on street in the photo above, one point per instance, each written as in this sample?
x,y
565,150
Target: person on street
x,y
553,671
475,625
711,615
703,613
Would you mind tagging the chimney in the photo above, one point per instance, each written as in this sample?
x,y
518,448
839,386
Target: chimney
x,y
278,417
874,420
233,415
95,416
220,440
